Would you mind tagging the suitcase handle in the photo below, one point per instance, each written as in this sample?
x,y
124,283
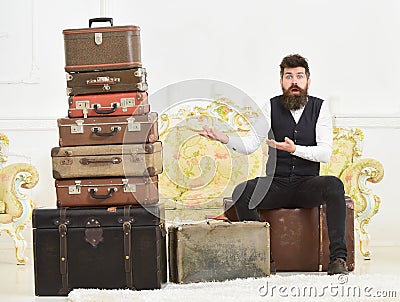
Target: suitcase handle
x,y
96,130
101,19
92,192
102,81
87,161
216,217
105,111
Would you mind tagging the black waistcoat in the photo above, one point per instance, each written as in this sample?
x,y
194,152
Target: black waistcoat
x,y
302,133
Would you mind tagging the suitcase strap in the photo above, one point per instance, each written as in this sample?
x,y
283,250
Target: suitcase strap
x,y
62,230
126,227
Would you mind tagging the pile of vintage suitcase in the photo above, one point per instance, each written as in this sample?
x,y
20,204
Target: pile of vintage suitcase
x,y
108,228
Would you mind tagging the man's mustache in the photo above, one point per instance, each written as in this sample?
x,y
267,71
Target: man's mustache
x,y
294,86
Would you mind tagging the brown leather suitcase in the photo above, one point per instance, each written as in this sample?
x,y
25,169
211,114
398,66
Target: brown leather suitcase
x,y
105,248
108,130
218,251
94,105
107,161
102,48
299,237
95,82
114,191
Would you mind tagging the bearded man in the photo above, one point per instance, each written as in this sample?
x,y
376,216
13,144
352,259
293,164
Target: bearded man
x,y
298,130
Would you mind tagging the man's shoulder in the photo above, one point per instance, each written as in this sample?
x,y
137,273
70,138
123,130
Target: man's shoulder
x,y
315,99
275,98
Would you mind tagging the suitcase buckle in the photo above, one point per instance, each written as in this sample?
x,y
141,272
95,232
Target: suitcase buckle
x,y
84,106
128,188
78,128
127,102
76,189
132,126
98,38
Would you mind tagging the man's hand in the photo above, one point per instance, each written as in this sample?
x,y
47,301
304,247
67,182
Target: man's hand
x,y
214,135
287,145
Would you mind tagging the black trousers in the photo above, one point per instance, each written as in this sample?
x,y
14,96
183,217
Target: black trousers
x,y
297,192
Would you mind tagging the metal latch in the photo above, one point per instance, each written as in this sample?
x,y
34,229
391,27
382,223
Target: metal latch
x,y
127,102
140,72
132,125
128,188
75,189
98,38
78,128
141,86
69,77
84,106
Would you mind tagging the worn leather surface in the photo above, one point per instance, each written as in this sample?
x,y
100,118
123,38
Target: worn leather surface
x,y
144,191
295,236
101,130
107,160
101,265
218,251
82,53
113,81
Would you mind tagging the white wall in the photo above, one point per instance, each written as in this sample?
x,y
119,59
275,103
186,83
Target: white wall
x,y
352,49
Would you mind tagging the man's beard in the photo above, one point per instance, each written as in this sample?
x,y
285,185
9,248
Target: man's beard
x,y
294,102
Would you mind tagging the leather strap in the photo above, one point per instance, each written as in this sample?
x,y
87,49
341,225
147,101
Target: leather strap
x,y
62,230
126,227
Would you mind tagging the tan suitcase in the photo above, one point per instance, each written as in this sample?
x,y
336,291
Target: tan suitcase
x,y
218,251
108,130
112,191
107,160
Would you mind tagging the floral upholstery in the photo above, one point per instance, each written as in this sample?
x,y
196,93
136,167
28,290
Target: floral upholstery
x,y
199,173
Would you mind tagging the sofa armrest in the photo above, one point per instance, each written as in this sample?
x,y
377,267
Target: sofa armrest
x,y
355,179
13,178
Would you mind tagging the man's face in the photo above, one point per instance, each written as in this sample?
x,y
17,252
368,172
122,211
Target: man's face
x,y
294,81
294,86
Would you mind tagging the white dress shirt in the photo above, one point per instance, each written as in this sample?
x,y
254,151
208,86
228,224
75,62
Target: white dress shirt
x,y
319,153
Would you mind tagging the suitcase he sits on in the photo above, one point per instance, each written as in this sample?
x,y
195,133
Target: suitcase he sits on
x,y
105,248
299,237
218,251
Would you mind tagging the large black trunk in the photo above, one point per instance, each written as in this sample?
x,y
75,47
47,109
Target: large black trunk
x,y
107,248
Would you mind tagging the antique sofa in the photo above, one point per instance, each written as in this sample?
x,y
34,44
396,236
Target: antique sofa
x,y
15,206
199,173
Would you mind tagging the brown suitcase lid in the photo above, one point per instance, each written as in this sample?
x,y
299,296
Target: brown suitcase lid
x,y
101,150
105,182
134,29
150,117
149,215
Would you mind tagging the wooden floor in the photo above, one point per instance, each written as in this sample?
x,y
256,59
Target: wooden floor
x,y
17,281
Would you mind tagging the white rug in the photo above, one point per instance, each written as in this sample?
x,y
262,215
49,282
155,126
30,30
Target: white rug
x,y
298,287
